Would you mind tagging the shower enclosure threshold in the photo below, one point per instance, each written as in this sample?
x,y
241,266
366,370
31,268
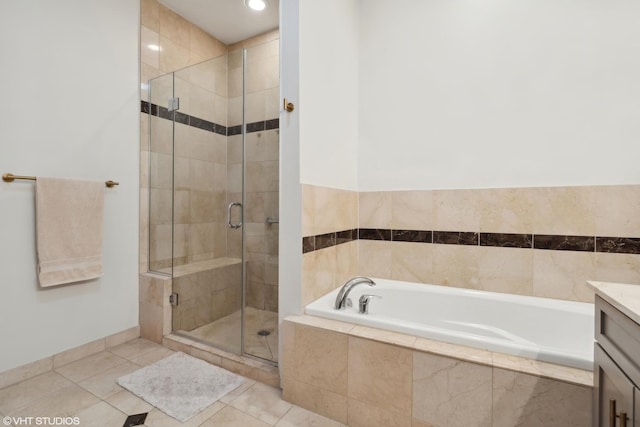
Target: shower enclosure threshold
x,y
251,367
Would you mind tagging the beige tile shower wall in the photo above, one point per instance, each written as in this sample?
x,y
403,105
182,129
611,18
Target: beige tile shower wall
x,y
583,211
179,44
262,164
327,210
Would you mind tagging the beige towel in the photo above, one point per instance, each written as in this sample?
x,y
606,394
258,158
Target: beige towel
x,y
69,216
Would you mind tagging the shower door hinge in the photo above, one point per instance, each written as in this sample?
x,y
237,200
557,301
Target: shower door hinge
x,y
174,104
173,299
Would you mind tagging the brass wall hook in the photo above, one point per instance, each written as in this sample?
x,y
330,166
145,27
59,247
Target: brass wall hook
x,y
288,106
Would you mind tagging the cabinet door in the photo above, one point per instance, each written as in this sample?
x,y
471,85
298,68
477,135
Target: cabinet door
x,y
613,393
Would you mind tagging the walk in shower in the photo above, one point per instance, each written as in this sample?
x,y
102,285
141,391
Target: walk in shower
x,y
213,199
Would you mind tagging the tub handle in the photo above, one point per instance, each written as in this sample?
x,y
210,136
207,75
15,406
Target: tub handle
x,y
364,301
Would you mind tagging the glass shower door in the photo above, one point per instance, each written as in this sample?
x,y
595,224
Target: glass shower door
x,y
261,186
207,211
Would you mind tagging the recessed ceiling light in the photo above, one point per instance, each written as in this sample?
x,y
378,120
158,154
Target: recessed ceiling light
x,y
256,4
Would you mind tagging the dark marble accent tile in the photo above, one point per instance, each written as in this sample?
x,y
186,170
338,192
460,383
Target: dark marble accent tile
x,y
164,113
455,238
145,107
345,236
255,127
419,236
308,244
564,243
325,240
153,110
506,240
219,129
181,118
234,130
201,124
618,245
374,234
135,420
272,124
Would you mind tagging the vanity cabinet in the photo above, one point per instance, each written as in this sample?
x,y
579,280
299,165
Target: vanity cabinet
x,y
616,368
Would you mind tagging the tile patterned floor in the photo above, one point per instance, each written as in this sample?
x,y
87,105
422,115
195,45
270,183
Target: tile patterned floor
x,y
225,333
87,389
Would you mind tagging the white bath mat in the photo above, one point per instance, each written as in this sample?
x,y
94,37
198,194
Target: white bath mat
x,y
180,385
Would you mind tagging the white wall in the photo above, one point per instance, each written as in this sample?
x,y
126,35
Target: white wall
x,y
498,93
70,108
290,209
328,103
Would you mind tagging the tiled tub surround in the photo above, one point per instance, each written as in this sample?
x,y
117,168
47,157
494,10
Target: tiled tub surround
x,y
368,377
542,242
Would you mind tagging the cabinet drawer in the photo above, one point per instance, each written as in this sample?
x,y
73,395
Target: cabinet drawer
x,y
619,336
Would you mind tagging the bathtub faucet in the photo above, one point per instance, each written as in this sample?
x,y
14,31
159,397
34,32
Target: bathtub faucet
x,y
341,299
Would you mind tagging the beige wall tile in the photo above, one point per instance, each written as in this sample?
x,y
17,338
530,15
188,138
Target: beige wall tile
x,y
451,392
456,265
506,210
411,262
563,274
149,47
174,27
287,357
324,267
624,268
375,258
564,210
380,375
375,209
508,270
150,14
526,400
381,335
203,44
459,352
308,210
335,210
172,56
616,210
346,262
367,415
328,350
412,210
456,210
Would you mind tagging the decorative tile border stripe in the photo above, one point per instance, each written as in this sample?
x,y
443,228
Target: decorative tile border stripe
x,y
186,119
618,245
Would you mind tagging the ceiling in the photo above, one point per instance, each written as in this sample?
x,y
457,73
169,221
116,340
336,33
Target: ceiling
x,y
229,21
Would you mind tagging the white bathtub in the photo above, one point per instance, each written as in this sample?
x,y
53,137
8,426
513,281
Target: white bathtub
x,y
544,329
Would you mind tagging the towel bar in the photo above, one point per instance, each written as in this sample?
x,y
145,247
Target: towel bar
x,y
9,177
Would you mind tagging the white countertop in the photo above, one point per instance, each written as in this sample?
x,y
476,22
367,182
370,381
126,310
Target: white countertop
x,y
622,296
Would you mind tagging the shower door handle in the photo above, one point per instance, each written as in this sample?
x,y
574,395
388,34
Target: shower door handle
x,y
231,205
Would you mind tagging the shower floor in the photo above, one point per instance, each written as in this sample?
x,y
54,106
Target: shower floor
x,y
225,333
